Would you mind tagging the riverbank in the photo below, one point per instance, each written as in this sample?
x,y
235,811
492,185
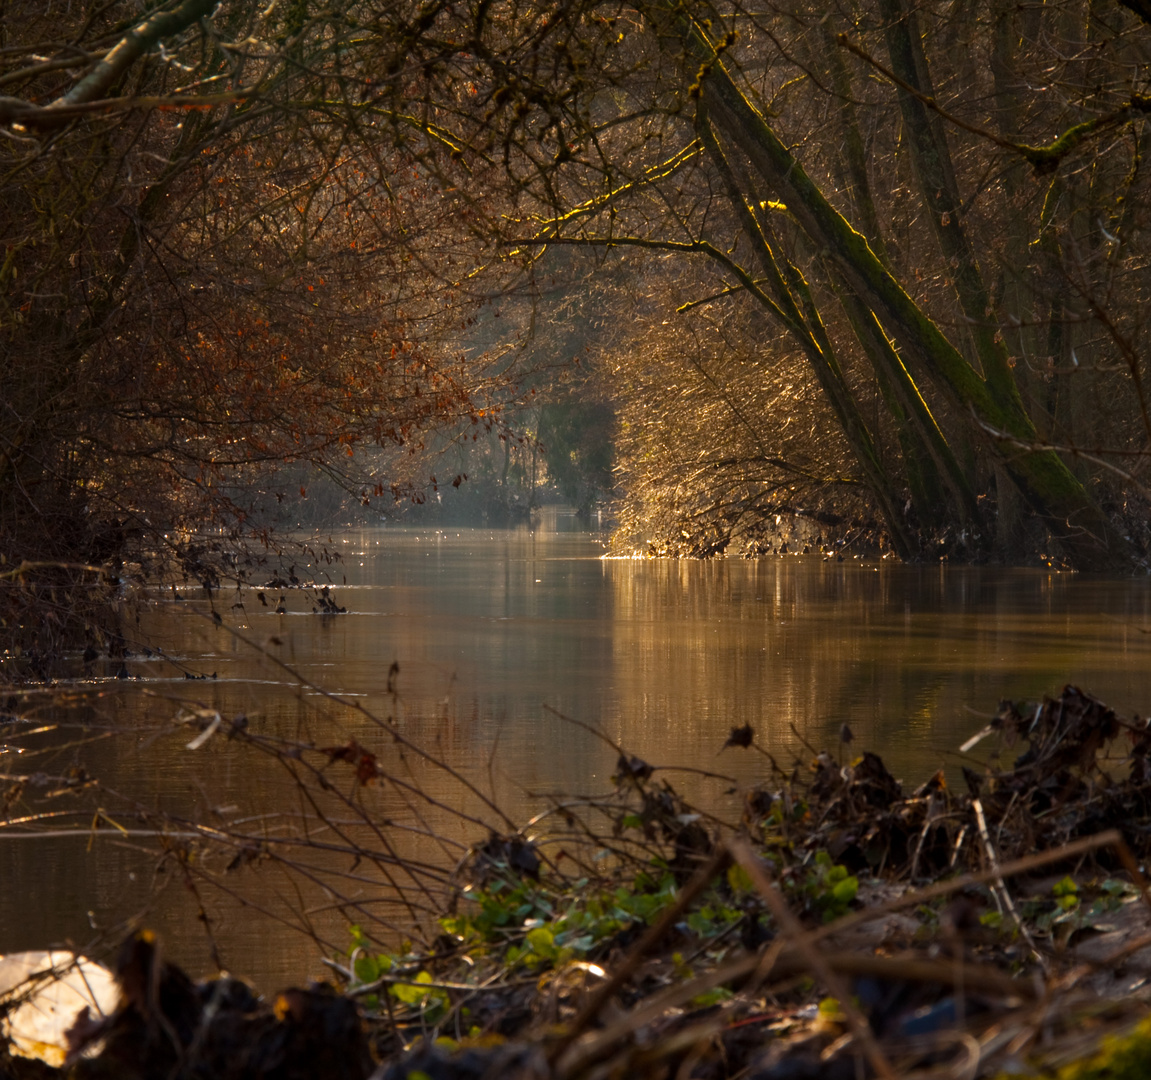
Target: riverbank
x,y
846,928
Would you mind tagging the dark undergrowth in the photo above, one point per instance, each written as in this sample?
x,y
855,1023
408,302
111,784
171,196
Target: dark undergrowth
x,y
842,927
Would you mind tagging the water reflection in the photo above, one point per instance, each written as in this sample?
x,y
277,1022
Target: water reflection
x,y
488,628
904,654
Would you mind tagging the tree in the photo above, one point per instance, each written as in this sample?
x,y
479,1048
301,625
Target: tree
x,y
204,281
719,451
953,248
667,127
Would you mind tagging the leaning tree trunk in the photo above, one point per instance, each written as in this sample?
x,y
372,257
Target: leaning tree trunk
x,y
1052,492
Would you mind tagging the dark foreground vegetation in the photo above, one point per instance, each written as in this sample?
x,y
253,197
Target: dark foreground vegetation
x,y
845,927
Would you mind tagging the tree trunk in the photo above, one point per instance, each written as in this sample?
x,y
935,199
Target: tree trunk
x,y
1053,493
794,304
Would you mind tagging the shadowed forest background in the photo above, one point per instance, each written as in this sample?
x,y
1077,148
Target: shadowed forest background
x,y
766,275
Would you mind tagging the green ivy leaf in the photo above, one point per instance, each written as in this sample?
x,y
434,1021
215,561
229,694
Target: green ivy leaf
x,y
844,890
542,942
739,880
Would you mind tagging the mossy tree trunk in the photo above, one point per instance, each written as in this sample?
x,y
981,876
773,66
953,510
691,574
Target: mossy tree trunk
x,y
990,397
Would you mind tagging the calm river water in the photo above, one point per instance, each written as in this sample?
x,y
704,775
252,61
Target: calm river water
x,y
489,627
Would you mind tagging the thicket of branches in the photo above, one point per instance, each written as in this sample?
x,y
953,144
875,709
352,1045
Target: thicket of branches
x,y
940,207
241,238
214,270
993,159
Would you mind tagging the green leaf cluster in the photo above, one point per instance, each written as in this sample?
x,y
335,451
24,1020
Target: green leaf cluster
x,y
825,887
539,925
1068,909
369,967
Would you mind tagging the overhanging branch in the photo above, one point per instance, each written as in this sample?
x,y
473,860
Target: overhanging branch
x,y
85,96
701,247
1044,159
132,46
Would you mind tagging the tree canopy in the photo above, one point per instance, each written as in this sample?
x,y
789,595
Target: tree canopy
x,y
243,236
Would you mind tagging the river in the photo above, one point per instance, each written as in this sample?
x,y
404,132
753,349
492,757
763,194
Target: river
x,y
500,635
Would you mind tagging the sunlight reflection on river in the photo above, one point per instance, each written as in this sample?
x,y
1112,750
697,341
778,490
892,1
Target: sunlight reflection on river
x,y
489,627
